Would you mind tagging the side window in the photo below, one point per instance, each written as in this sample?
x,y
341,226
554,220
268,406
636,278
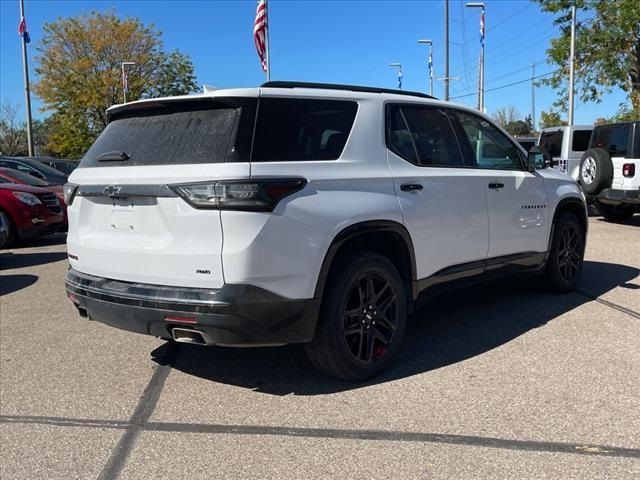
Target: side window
x,y
423,136
399,139
488,146
580,140
553,142
289,129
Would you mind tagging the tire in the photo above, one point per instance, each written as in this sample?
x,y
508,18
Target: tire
x,y
362,318
616,213
566,255
596,170
11,231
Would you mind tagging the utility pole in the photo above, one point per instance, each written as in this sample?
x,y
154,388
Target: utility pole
x,y
446,50
533,96
25,65
572,61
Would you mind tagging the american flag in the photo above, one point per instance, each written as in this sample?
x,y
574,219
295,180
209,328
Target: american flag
x,y
482,27
22,30
260,31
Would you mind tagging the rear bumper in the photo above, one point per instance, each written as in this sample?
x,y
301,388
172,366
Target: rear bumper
x,y
613,196
234,315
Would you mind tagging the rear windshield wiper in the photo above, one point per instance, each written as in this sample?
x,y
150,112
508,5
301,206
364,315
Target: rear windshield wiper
x,y
113,157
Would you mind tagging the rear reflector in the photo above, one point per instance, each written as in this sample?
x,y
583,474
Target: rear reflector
x,y
174,319
74,299
628,170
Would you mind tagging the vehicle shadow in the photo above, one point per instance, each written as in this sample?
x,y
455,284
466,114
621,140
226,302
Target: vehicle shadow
x,y
10,261
49,240
634,221
448,330
13,283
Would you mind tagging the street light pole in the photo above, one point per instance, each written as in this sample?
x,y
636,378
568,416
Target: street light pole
x,y
572,61
399,67
482,39
446,50
125,82
430,43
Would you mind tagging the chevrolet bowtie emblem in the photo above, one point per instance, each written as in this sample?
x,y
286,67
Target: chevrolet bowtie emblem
x,y
112,190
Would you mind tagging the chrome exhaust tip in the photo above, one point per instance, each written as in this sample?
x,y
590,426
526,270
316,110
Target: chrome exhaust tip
x,y
188,335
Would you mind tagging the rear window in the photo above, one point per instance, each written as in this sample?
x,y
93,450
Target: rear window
x,y
613,138
580,141
199,133
552,141
289,130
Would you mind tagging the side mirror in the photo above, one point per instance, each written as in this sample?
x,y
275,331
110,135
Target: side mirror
x,y
539,158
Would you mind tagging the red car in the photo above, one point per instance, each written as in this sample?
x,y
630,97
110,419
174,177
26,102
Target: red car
x,y
23,178
29,212
8,175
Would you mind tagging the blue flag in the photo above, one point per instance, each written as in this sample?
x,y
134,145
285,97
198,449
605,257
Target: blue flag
x,y
400,79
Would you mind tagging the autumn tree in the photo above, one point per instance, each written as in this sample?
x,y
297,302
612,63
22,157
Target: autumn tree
x,y
79,73
607,49
551,119
506,115
13,134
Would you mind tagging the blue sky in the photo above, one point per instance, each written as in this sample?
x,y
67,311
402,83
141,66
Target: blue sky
x,y
329,41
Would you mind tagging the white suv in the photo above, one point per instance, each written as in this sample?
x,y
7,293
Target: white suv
x,y
307,213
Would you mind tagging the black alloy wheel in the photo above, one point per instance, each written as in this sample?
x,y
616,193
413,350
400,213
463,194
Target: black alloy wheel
x,y
564,264
569,252
370,317
362,319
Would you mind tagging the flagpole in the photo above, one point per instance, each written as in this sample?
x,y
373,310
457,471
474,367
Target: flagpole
x,y
267,43
27,94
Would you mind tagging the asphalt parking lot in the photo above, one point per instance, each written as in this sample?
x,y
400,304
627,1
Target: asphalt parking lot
x,y
500,382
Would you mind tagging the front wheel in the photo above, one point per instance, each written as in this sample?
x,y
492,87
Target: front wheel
x,y
362,318
566,255
10,237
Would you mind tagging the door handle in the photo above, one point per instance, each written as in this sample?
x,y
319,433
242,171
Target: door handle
x,y
409,187
495,186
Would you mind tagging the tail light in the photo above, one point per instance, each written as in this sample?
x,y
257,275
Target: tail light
x,y
628,170
69,192
250,195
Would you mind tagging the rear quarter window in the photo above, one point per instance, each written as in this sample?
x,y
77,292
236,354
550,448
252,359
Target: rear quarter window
x,y
298,130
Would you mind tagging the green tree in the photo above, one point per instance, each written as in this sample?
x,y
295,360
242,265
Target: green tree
x,y
607,48
79,69
174,76
551,119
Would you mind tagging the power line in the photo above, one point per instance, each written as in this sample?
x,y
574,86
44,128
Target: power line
x,y
508,85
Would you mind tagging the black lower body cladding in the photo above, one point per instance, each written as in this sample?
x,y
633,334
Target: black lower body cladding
x,y
234,315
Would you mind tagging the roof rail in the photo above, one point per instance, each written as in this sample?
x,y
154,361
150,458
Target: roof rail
x,y
337,86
